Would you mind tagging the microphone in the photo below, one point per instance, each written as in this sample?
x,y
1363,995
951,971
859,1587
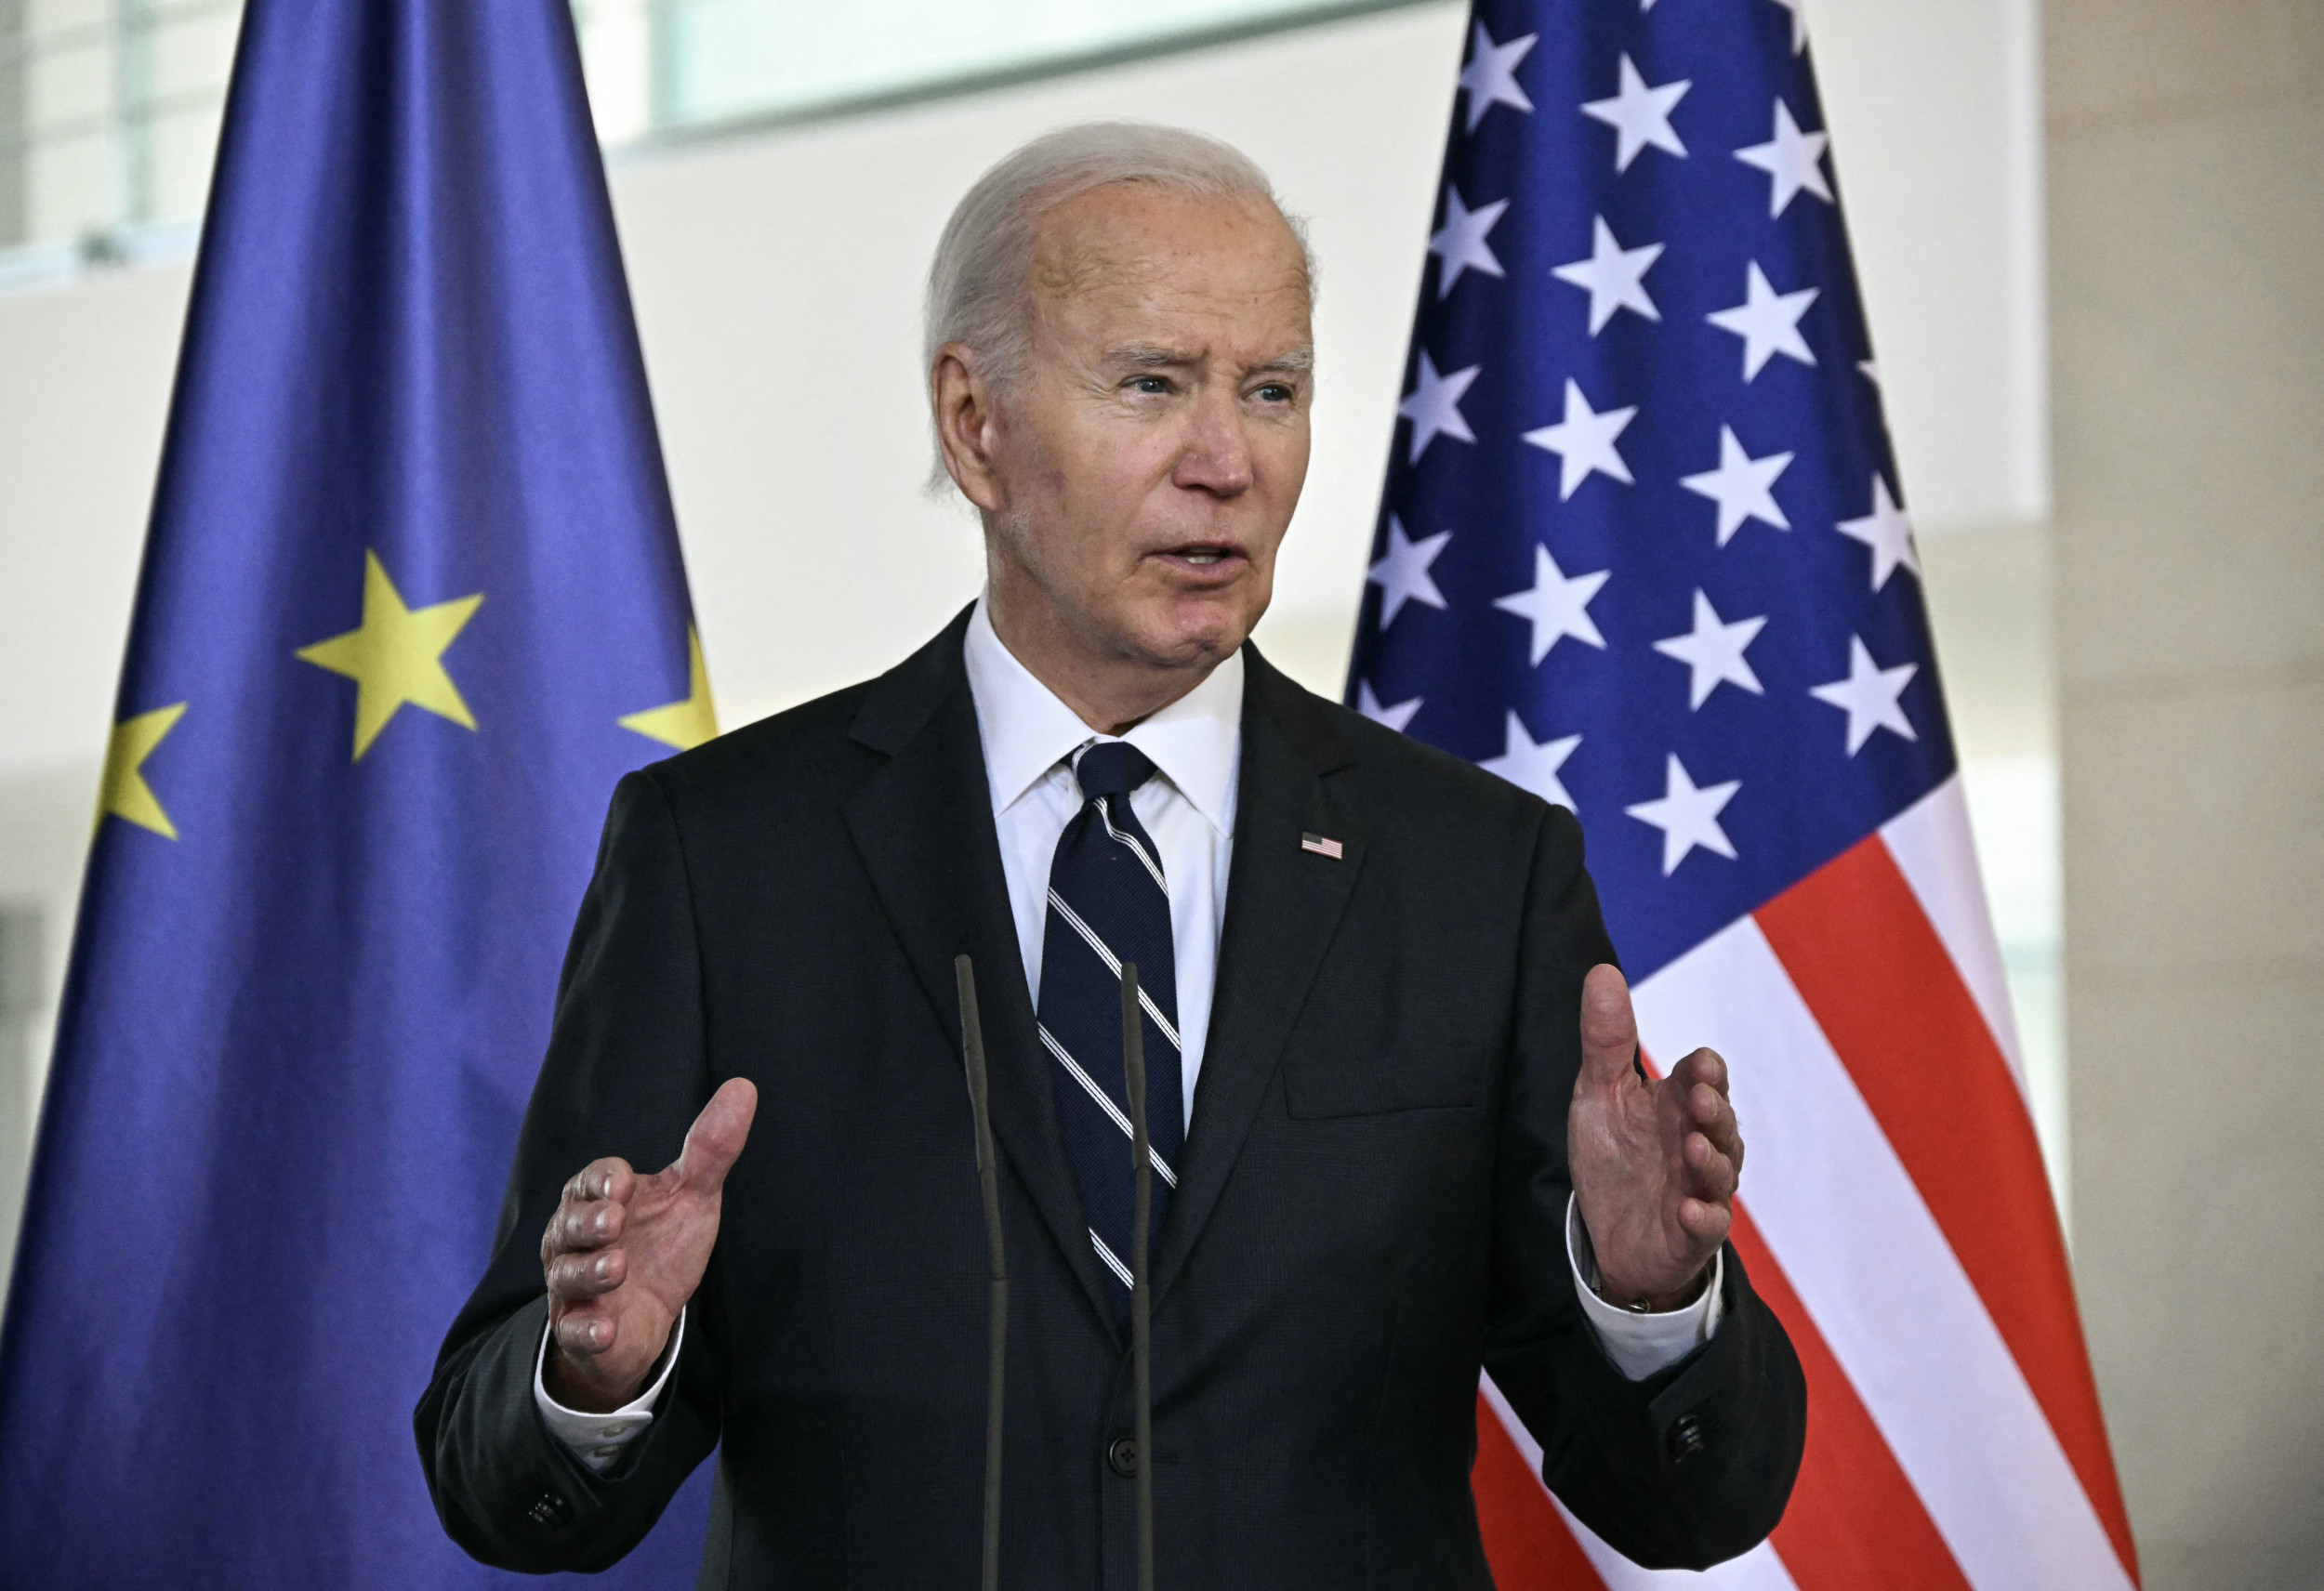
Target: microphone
x,y
1141,1293
996,1320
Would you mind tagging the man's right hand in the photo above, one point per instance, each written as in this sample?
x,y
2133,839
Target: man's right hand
x,y
625,1250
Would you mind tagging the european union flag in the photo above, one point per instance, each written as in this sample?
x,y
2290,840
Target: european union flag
x,y
412,601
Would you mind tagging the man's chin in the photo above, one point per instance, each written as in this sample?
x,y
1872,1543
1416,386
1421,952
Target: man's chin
x,y
1200,639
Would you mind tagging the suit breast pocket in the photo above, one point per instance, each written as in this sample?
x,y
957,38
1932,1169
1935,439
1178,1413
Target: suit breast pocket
x,y
1424,1078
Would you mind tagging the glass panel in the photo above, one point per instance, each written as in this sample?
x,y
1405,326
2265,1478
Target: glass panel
x,y
70,183
108,119
721,59
14,111
110,109
69,74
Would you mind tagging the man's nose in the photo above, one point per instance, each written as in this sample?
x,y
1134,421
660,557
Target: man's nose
x,y
1217,456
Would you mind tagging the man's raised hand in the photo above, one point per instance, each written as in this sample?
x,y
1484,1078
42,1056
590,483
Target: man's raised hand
x,y
1654,1162
625,1250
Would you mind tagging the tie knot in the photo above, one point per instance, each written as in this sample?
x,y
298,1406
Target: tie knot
x,y
1112,768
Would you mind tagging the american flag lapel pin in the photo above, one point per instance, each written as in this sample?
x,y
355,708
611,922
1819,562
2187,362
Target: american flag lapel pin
x,y
1323,847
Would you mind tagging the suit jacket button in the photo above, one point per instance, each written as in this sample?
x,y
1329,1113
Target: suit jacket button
x,y
1685,1438
1123,1456
550,1511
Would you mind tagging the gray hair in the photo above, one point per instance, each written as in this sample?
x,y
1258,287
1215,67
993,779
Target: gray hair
x,y
979,284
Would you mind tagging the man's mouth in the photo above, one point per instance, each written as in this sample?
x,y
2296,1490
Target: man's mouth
x,y
1203,555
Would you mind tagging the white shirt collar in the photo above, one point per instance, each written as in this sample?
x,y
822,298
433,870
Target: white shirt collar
x,y
1196,742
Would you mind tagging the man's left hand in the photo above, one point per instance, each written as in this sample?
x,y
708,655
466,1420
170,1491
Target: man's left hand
x,y
1653,1161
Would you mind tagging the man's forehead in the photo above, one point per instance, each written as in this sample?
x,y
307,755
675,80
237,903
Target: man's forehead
x,y
1140,238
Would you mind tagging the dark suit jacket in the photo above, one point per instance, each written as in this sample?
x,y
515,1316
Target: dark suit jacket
x,y
1372,1202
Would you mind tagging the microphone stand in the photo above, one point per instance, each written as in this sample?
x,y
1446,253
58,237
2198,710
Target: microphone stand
x,y
1141,1285
997,1324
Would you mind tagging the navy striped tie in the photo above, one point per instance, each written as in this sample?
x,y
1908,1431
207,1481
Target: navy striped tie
x,y
1109,903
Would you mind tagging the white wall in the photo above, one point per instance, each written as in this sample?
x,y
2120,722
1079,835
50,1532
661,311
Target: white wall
x,y
776,278
1936,114
777,281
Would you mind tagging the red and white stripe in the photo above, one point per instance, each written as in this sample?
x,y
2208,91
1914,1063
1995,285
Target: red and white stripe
x,y
1898,1224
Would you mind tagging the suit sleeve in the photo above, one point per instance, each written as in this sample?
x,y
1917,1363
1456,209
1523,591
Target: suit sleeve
x,y
626,1074
1687,1468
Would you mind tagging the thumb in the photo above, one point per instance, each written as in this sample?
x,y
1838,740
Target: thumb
x,y
1609,1030
716,1138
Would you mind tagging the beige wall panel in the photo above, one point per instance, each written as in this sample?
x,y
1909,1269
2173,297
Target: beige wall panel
x,y
2118,60
2187,182
2186,269
2196,1100
2210,799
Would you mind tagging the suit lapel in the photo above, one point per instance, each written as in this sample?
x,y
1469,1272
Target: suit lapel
x,y
1284,903
923,826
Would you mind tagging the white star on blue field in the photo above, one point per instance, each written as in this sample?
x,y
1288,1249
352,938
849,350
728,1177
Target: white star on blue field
x,y
1643,548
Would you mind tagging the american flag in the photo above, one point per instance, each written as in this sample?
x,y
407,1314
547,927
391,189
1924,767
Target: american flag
x,y
1643,550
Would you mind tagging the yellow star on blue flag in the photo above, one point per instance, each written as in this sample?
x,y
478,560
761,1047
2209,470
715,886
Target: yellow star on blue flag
x,y
396,655
682,723
124,792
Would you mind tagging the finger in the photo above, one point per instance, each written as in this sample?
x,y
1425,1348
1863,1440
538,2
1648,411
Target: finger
x,y
582,1334
607,1178
1710,1172
579,1277
582,1228
716,1138
1609,1028
1705,1222
1714,1117
1707,1066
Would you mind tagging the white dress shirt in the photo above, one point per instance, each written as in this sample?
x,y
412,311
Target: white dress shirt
x,y
1196,745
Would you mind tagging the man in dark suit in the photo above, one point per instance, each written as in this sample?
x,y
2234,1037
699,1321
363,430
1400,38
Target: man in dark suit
x,y
1399,1133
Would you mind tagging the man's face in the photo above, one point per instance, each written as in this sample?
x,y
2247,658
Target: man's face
x,y
1147,460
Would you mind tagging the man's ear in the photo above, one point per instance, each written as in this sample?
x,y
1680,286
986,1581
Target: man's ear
x,y
962,402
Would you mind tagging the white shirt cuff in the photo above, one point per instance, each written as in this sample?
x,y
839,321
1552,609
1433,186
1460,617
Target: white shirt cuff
x,y
1640,1345
597,1440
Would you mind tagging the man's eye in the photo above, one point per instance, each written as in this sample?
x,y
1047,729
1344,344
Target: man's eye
x,y
1154,385
1274,392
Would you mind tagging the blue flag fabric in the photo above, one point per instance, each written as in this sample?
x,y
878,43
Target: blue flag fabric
x,y
411,566
1642,548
